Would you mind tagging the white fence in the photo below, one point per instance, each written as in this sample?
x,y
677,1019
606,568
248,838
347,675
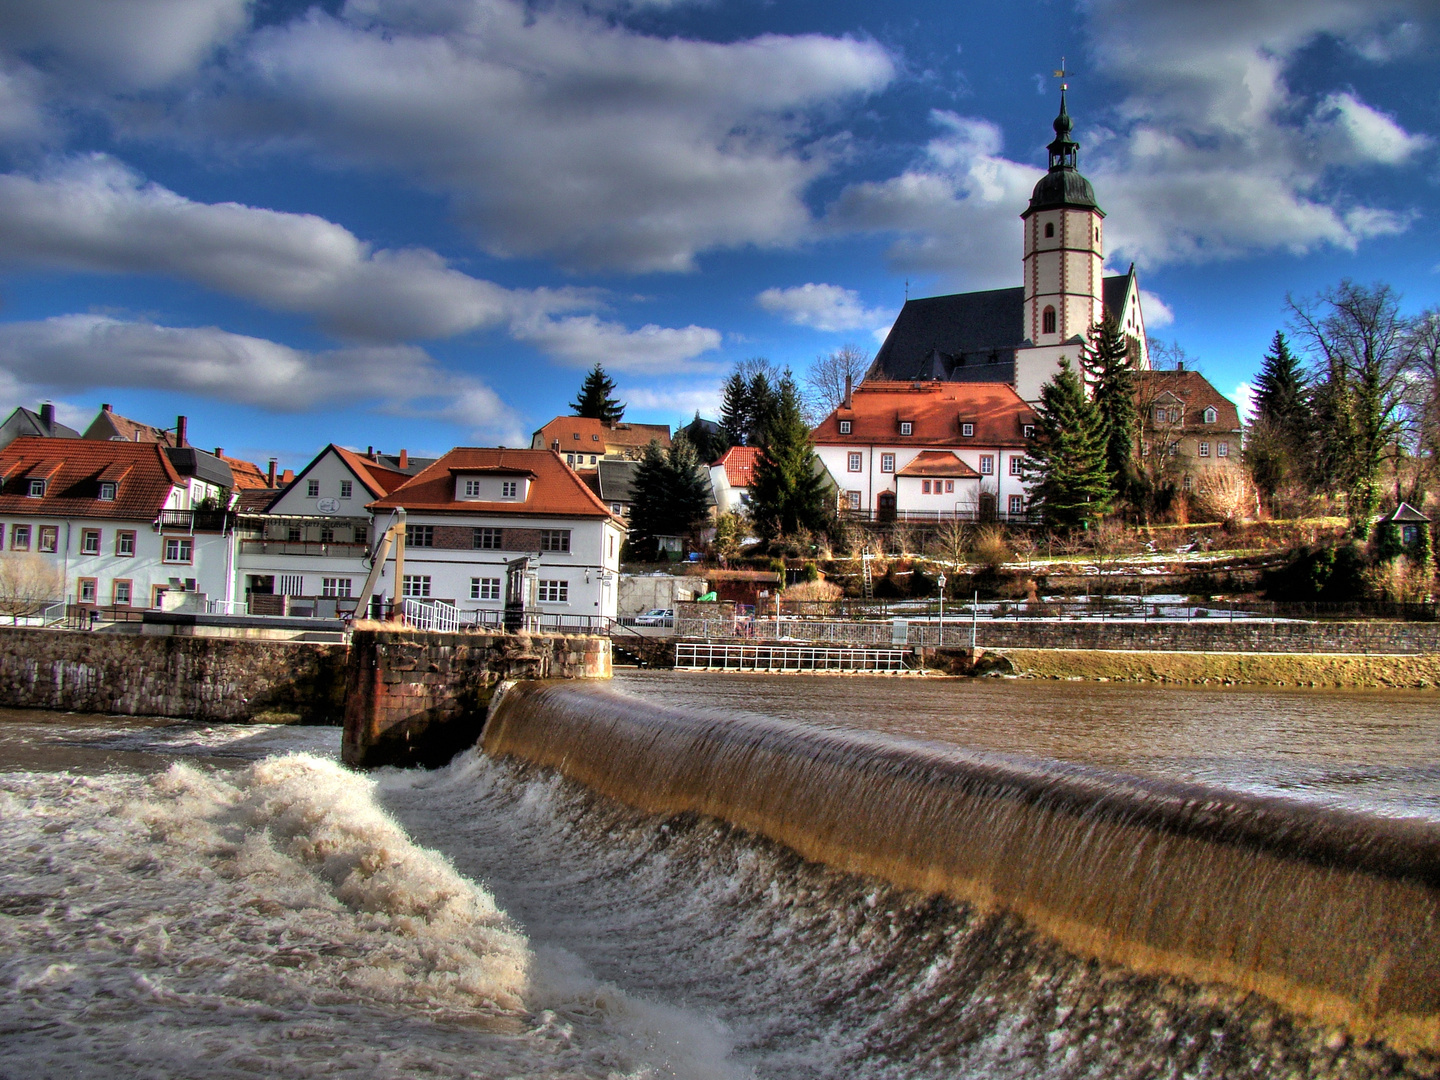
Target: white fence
x,y
714,656
431,615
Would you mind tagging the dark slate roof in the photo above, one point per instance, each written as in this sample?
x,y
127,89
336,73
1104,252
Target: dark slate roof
x,y
617,480
965,337
1406,513
189,461
25,422
1062,188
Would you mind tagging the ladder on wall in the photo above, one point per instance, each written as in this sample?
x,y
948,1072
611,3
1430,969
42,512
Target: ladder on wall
x,y
867,582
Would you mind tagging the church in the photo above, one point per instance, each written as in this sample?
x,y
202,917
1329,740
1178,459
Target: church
x,y
1018,335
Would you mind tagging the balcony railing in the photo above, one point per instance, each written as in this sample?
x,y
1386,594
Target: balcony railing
x,y
194,520
1024,517
314,548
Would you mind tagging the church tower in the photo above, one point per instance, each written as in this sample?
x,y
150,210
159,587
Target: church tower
x,y
1064,248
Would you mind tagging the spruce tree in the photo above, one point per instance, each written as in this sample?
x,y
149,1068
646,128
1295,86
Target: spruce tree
x,y
596,399
1066,461
1282,390
735,413
670,495
765,407
786,495
1110,369
1279,444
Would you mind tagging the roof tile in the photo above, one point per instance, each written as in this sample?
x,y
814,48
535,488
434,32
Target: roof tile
x,y
555,492
147,477
935,409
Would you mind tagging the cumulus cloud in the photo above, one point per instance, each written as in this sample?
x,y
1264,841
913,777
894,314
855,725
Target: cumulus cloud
x,y
1157,312
1244,397
79,352
558,132
585,340
121,44
823,307
683,400
954,211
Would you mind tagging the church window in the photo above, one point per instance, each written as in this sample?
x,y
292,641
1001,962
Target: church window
x,y
1047,321
1049,228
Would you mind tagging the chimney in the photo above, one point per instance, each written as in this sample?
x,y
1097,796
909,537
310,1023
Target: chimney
x,y
47,415
848,389
1179,365
105,407
370,452
555,445
180,425
219,451
404,459
270,477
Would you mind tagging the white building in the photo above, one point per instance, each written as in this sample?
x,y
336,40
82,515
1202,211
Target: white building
x,y
731,477
929,451
124,524
476,510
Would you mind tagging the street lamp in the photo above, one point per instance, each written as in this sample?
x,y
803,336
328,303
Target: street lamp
x,y
940,581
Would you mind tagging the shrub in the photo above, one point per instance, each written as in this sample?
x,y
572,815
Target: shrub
x,y
989,548
813,590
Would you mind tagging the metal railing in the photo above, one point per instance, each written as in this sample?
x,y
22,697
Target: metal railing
x,y
1024,517
194,520
714,656
310,548
433,615
227,607
536,622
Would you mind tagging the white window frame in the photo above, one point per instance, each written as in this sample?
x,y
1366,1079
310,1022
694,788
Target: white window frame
x,y
852,500
484,588
556,540
482,535
987,464
312,489
907,427
47,539
36,489
338,587
1210,414
125,543
119,585
86,538
179,550
420,536
845,427
554,591
415,587
1204,449
1222,449
347,489
1017,504
1017,465
967,430
107,491
510,489
854,461
887,463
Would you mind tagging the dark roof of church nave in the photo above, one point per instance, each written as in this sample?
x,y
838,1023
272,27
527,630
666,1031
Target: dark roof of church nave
x,y
965,337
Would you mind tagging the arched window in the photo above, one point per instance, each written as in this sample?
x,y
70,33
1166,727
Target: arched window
x,y
1049,228
1047,321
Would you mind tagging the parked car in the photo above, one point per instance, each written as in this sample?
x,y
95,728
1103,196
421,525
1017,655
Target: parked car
x,y
656,617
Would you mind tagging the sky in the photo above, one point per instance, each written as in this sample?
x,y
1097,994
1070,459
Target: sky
x,y
417,223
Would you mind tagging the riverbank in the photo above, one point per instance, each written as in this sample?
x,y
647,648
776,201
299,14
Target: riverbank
x,y
1328,670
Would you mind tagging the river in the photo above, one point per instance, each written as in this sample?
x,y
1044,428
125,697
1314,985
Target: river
x,y
180,900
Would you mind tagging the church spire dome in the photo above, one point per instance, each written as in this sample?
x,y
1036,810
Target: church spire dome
x,y
1063,186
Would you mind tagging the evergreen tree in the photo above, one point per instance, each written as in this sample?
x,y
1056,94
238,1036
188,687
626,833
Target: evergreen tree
x,y
596,401
786,495
1066,461
735,416
1279,442
1109,367
765,407
671,495
709,444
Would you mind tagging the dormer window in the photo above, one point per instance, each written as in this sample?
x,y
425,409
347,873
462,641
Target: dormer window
x,y
472,489
1028,431
37,489
844,427
906,427
594,438
1159,414
107,492
509,489
1210,415
576,436
967,430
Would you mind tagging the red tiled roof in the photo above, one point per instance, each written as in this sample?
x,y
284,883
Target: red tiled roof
x,y
739,462
247,474
937,463
1194,393
555,491
380,480
72,492
581,434
127,430
935,409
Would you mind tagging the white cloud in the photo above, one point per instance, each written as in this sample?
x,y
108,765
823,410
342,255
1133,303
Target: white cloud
x,y
681,401
1244,397
80,352
880,333
123,44
1355,132
824,307
954,211
557,132
1157,312
585,340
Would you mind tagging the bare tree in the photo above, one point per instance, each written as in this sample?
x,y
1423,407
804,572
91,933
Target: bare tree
x,y
29,583
828,374
1169,356
1423,403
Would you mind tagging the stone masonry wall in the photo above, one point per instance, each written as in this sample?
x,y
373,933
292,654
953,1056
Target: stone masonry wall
x,y
417,698
186,677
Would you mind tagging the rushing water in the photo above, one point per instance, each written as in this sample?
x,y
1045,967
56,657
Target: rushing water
x,y
181,900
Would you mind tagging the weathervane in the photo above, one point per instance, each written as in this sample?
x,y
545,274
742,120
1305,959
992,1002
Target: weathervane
x,y
1062,74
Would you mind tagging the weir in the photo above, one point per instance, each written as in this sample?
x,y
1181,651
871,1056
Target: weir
x,y
1334,914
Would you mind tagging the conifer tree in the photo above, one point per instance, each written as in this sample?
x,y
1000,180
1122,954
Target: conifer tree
x,y
765,407
1279,442
786,495
1066,461
1110,369
671,495
596,400
1282,390
735,415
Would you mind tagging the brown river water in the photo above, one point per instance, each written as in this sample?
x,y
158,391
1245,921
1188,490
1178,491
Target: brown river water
x,y
1000,880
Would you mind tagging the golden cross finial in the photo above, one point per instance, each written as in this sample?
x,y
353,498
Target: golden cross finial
x,y
1063,74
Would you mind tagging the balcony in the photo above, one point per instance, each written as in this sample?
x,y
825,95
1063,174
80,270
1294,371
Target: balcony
x,y
193,520
307,548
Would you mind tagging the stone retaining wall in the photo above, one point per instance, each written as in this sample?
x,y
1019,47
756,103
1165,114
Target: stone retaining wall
x,y
190,678
417,698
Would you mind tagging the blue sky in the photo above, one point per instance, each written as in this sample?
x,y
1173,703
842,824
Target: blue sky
x,y
418,222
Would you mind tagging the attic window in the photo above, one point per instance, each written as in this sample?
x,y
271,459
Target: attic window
x,y
1049,228
37,489
1210,415
593,437
844,427
1159,414
107,492
906,427
967,430
1029,431
576,436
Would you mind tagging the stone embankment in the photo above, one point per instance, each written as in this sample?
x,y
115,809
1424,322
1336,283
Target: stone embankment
x,y
1332,670
193,678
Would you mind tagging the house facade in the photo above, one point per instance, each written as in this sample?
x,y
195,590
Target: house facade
x,y
731,477
307,548
122,524
929,451
43,424
584,442
477,510
1190,433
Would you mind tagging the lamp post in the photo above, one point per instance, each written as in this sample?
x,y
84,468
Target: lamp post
x,y
940,581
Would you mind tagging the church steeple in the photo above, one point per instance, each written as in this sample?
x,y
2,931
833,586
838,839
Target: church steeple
x,y
1064,151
